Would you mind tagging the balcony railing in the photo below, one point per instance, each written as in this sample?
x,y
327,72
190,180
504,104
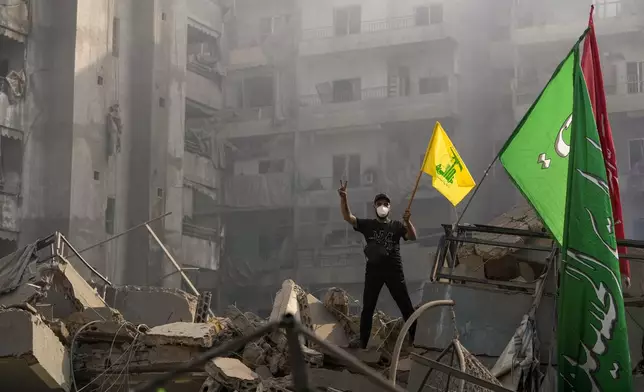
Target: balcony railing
x,y
252,114
204,233
527,93
374,26
368,93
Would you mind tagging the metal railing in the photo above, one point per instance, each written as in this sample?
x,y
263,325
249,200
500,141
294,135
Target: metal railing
x,y
525,93
293,330
366,27
365,94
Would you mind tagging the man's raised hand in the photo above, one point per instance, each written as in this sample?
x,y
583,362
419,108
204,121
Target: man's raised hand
x,y
342,191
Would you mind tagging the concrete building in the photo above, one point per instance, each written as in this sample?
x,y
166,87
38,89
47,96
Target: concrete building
x,y
108,128
352,94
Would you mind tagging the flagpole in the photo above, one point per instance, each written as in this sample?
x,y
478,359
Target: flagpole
x,y
476,189
413,193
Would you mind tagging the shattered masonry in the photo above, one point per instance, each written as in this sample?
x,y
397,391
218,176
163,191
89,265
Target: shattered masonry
x,y
60,334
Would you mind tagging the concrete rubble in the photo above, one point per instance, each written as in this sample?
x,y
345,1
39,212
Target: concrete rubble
x,y
70,337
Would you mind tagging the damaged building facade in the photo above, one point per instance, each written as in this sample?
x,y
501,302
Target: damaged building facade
x,y
318,92
106,110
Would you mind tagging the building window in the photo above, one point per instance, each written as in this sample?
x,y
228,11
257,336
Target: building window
x,y
271,166
116,26
422,16
610,79
97,176
636,154
110,210
607,8
436,14
635,77
203,54
347,168
347,20
258,91
347,90
271,25
434,85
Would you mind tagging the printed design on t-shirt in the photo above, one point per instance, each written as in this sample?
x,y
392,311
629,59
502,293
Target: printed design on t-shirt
x,y
384,238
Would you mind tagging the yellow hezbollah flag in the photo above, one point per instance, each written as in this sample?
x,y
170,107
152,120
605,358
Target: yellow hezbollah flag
x,y
449,174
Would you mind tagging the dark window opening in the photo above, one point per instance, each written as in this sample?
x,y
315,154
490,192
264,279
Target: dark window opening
x,y
422,16
272,166
434,85
347,20
436,14
347,90
97,176
162,102
259,91
99,80
163,17
347,168
110,211
636,154
160,193
116,34
11,152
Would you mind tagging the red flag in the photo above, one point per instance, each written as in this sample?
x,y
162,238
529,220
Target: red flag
x,y
595,82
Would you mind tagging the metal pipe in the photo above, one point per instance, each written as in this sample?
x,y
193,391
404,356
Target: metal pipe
x,y
298,366
351,361
176,265
403,332
224,349
124,232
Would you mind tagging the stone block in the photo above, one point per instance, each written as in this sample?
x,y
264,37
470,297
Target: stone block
x,y
32,358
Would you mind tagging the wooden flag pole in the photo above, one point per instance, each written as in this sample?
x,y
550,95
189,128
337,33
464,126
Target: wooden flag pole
x,y
413,193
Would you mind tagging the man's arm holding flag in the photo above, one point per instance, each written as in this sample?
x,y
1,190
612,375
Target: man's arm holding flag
x,y
410,230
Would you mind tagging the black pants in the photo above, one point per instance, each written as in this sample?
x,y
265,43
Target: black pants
x,y
375,276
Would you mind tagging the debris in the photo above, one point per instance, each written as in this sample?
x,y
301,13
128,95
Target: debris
x,y
188,334
152,306
31,349
232,374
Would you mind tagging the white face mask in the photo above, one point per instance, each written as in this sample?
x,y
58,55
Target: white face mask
x,y
382,211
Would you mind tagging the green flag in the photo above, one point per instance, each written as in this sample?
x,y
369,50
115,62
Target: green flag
x,y
536,155
592,341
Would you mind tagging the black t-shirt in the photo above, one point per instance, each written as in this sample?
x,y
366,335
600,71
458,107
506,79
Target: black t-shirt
x,y
383,239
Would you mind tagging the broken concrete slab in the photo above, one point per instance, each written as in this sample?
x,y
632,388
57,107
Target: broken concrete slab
x,y
286,302
32,358
188,334
152,306
325,325
233,374
58,284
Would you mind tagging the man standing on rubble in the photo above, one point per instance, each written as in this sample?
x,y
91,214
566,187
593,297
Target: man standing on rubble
x,y
384,264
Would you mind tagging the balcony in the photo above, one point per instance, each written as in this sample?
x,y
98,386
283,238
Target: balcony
x,y
624,97
200,169
373,34
375,107
250,122
322,190
14,17
11,117
200,247
201,89
246,57
612,18
271,190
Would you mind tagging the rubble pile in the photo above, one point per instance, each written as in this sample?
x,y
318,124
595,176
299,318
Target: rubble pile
x,y
60,334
